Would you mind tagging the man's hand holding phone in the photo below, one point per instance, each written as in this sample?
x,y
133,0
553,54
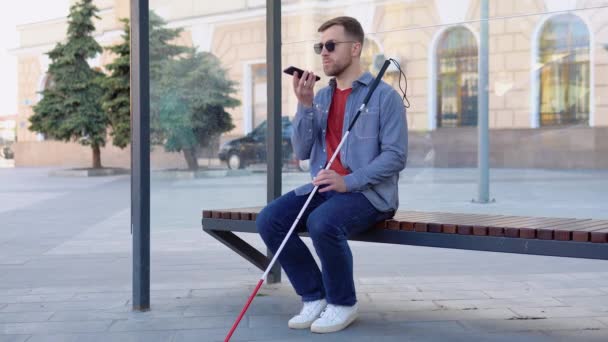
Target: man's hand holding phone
x,y
303,85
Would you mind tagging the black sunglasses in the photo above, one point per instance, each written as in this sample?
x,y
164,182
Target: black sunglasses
x,y
330,46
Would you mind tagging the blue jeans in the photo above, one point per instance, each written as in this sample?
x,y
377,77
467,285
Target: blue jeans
x,y
329,219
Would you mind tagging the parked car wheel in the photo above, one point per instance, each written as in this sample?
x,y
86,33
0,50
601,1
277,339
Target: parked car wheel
x,y
234,161
6,152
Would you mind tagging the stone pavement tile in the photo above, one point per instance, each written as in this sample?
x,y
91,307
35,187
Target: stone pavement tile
x,y
267,321
211,310
173,323
420,328
54,327
528,336
226,306
408,280
271,304
56,306
381,280
137,336
590,335
594,302
332,337
24,317
565,284
427,295
557,312
603,319
467,304
77,289
589,275
532,292
127,295
36,298
470,286
206,293
87,315
271,320
427,336
519,277
439,279
220,285
390,306
495,325
372,288
242,333
14,338
448,315
14,291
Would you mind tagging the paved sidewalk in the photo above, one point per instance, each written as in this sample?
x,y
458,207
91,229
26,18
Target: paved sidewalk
x,y
65,265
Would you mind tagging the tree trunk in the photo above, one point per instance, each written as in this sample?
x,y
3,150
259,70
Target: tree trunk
x,y
96,157
191,160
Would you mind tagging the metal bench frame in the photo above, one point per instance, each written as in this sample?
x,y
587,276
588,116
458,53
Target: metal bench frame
x,y
223,230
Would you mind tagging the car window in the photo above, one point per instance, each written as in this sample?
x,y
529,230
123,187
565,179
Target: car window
x,y
260,130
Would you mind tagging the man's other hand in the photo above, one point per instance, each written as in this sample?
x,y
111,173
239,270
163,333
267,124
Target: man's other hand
x,y
331,179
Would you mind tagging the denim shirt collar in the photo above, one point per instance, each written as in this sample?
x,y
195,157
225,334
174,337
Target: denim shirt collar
x,y
365,79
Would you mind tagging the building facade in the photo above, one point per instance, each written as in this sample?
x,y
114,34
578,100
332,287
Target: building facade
x,y
548,73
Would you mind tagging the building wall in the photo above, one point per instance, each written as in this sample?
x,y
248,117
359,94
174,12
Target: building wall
x,y
235,32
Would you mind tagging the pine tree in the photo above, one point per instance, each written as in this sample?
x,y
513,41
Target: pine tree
x,y
116,100
71,108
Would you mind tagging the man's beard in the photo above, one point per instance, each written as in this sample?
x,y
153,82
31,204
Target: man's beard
x,y
336,69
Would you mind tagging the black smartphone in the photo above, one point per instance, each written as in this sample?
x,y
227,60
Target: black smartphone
x,y
293,69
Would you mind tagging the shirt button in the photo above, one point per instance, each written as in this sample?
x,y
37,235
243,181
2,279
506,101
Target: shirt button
x,y
323,150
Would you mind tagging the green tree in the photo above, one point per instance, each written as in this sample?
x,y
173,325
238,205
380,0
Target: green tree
x,y
162,52
71,108
116,100
117,90
192,112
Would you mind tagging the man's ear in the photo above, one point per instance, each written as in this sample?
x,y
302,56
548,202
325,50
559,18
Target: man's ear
x,y
356,50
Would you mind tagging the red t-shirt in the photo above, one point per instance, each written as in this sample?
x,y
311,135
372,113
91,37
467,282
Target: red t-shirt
x,y
335,121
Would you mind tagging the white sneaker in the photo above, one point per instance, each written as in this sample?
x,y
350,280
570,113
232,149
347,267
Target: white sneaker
x,y
335,318
310,312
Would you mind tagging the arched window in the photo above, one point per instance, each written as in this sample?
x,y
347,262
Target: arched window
x,y
457,78
564,73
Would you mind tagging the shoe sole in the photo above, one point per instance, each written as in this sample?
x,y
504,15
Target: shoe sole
x,y
299,325
334,328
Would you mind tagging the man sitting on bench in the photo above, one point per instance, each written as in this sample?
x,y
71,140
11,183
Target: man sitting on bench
x,y
359,190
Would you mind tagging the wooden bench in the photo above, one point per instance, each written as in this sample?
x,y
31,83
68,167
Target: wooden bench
x,y
579,238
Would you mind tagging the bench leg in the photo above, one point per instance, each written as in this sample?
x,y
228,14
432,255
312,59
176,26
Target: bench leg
x,y
250,253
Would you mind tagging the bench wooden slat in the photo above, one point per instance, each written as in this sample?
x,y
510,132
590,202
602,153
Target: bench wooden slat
x,y
544,228
584,235
567,235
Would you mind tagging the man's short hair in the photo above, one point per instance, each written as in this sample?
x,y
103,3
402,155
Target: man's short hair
x,y
351,26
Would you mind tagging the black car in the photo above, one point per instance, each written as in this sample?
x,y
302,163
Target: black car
x,y
6,152
251,149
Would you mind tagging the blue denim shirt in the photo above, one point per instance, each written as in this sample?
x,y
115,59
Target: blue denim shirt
x,y
376,148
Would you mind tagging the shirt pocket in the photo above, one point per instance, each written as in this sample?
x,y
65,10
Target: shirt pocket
x,y
368,124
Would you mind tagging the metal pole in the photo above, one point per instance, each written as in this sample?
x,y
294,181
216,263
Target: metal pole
x,y
482,124
140,154
274,110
